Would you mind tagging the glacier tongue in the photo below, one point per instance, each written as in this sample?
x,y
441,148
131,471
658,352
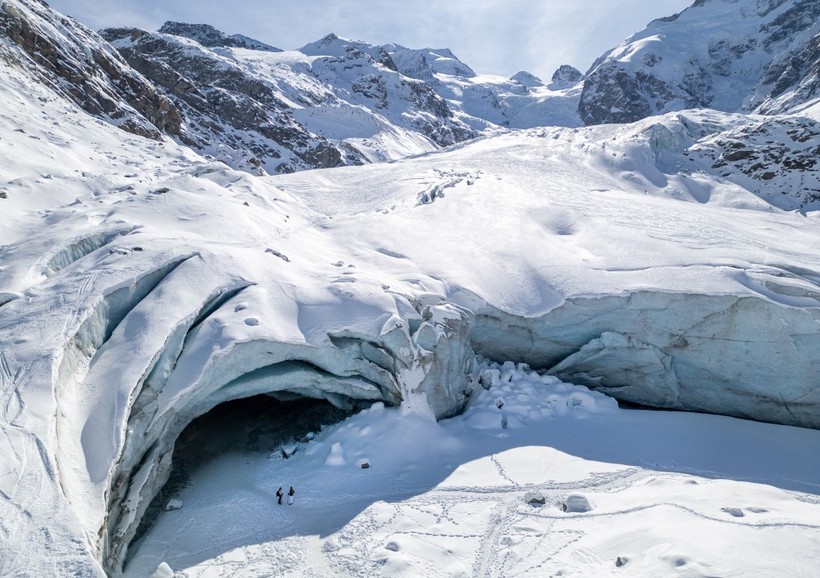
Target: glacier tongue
x,y
141,285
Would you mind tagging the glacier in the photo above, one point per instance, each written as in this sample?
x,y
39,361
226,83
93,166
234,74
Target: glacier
x,y
142,285
303,285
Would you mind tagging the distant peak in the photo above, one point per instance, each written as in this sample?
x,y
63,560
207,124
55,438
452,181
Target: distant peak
x,y
333,45
527,79
424,63
566,76
197,32
209,36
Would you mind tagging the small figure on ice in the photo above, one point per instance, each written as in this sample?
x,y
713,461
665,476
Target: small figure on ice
x,y
279,494
291,491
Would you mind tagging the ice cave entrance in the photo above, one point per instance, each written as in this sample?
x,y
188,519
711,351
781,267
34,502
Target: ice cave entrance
x,y
260,424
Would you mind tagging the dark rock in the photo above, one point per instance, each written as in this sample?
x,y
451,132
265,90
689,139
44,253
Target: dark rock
x,y
76,63
566,76
207,35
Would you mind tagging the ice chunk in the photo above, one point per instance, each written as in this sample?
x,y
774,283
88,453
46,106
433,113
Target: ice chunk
x,y
163,571
336,456
576,503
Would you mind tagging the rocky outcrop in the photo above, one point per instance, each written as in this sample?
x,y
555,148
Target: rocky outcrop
x,y
207,35
229,112
778,159
754,56
77,64
792,79
566,76
773,157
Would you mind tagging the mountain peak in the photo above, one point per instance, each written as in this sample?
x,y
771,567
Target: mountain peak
x,y
527,79
763,59
332,45
209,36
566,76
424,63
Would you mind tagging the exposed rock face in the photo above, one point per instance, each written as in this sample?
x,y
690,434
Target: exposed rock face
x,y
794,78
774,157
77,64
566,76
339,102
768,62
229,112
778,159
207,35
282,116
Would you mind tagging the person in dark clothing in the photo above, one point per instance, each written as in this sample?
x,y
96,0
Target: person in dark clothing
x,y
291,491
279,494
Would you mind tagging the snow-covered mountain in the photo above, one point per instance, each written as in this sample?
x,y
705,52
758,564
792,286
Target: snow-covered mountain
x,y
334,101
486,101
730,55
669,262
74,62
207,35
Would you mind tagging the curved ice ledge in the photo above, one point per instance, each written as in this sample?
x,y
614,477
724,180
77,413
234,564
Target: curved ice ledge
x,y
422,362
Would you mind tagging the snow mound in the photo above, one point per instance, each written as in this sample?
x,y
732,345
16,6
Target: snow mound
x,y
516,396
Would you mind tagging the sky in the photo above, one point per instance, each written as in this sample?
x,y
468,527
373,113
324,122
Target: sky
x,y
491,36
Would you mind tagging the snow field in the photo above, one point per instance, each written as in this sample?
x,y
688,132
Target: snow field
x,y
450,498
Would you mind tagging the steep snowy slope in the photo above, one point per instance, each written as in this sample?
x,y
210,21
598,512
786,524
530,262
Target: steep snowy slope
x,y
731,55
75,62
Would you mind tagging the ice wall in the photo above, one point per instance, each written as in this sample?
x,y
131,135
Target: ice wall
x,y
741,356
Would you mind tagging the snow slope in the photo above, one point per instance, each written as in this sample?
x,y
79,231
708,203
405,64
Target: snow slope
x,y
730,55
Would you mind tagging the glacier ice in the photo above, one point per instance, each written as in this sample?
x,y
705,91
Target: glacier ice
x,y
742,356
